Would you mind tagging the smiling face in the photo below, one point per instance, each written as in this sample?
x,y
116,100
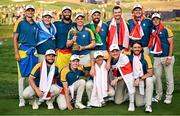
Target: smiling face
x,y
29,13
67,14
156,21
47,19
115,54
74,64
137,12
137,49
117,13
50,58
80,21
99,60
96,17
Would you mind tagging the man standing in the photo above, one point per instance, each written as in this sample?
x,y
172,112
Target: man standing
x,y
25,40
100,31
42,82
71,82
142,73
162,46
82,40
140,27
46,35
63,27
118,30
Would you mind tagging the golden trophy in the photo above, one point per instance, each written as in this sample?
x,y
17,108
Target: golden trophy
x,y
75,46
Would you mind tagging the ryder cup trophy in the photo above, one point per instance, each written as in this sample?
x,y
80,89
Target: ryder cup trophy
x,y
75,46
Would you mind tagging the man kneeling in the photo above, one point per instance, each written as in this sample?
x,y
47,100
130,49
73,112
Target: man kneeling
x,y
71,82
42,82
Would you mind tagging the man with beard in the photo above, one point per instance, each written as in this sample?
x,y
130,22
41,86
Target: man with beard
x,y
162,46
140,27
42,80
63,27
100,31
118,30
46,35
142,73
25,40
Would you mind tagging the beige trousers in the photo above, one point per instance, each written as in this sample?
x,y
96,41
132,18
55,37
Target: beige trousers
x,y
159,65
79,87
146,99
29,92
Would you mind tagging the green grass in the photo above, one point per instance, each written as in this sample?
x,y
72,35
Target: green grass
x,y
9,91
5,31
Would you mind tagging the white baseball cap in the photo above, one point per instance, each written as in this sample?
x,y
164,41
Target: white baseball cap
x,y
29,7
74,57
47,13
114,47
50,51
95,10
78,15
66,8
156,15
137,5
98,53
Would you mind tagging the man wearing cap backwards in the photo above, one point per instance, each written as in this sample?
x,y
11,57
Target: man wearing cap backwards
x,y
162,46
142,73
83,38
100,83
71,82
140,27
122,76
100,31
118,32
42,80
63,27
46,35
25,40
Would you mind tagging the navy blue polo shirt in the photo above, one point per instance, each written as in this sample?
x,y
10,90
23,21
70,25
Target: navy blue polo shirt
x,y
70,76
36,73
164,35
146,25
84,38
27,32
49,44
103,34
62,33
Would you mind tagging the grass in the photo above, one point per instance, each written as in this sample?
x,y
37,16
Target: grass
x,y
9,90
5,31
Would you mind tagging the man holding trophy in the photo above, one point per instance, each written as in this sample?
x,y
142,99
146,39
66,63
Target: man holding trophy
x,y
81,39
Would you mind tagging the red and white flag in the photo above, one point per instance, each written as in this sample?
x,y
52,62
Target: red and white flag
x,y
123,39
137,32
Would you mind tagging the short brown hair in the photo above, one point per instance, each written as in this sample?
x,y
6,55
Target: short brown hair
x,y
117,7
